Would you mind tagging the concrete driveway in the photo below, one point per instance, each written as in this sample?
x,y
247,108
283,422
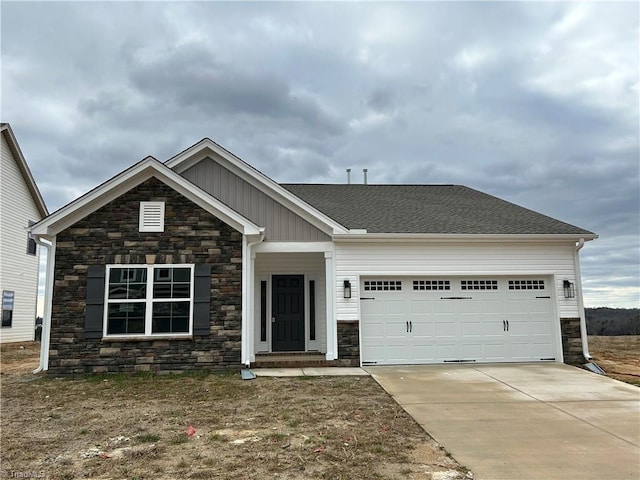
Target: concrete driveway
x,y
526,421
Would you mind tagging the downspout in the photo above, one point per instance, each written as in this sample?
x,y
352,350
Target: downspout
x,y
583,321
45,338
247,297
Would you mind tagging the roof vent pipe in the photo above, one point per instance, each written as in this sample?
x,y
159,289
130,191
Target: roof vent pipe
x,y
348,176
365,170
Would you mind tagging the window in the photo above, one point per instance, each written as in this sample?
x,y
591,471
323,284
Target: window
x,y
31,241
151,217
149,300
382,285
263,311
8,298
431,285
526,284
312,309
479,284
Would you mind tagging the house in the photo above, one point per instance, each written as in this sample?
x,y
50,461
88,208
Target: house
x,y
203,262
21,205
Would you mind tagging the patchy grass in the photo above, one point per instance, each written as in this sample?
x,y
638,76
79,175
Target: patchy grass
x,y
618,356
134,426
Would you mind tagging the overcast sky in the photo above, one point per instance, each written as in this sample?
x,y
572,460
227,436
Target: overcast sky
x,y
534,102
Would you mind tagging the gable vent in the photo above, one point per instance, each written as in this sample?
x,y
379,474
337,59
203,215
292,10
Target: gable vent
x,y
151,217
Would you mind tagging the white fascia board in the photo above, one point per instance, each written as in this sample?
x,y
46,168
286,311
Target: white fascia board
x,y
125,181
462,238
293,247
257,179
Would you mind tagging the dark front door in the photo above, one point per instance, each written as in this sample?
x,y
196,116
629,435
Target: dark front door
x,y
288,311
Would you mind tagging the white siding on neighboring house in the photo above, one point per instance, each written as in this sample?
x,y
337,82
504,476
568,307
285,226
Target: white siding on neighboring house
x,y
312,266
18,270
355,260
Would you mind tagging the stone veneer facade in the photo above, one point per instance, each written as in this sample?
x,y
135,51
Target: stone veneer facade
x,y
571,341
348,344
110,236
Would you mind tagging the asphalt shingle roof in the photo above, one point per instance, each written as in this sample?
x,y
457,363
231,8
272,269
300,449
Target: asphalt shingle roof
x,y
436,209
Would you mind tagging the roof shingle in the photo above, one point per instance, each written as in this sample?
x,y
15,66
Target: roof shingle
x,y
431,209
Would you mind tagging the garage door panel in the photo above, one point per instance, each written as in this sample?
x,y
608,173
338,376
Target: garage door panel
x,y
421,307
447,329
483,320
424,352
471,351
495,352
447,351
472,329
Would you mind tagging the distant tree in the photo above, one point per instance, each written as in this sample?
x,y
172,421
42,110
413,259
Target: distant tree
x,y
612,321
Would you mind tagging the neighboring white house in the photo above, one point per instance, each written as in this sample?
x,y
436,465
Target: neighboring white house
x,y
20,206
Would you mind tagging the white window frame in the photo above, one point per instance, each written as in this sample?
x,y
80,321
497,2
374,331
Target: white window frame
x,y
148,209
149,301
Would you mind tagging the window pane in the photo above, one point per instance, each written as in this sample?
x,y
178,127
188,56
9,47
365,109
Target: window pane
x,y
170,317
181,290
181,274
125,318
127,283
162,275
162,290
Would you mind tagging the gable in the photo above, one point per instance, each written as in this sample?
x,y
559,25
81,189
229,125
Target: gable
x,y
125,181
12,158
280,223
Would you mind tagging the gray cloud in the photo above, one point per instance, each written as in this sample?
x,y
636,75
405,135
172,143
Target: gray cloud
x,y
536,103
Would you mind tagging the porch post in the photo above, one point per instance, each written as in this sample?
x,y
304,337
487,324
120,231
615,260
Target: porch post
x,y
330,282
246,297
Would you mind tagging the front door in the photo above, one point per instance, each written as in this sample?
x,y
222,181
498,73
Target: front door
x,y
288,312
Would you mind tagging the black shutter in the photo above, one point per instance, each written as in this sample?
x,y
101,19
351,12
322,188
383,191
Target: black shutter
x,y
95,302
202,299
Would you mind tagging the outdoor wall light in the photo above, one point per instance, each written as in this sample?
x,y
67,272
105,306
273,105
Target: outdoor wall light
x,y
569,289
347,289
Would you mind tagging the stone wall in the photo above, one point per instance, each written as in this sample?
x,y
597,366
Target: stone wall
x,y
110,236
571,341
348,344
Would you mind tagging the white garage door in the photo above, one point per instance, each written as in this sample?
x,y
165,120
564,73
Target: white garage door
x,y
426,320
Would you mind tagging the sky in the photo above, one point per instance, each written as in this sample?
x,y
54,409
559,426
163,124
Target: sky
x,y
534,102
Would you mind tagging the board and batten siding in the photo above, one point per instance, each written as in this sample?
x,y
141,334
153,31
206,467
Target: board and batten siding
x,y
18,270
312,266
281,224
355,260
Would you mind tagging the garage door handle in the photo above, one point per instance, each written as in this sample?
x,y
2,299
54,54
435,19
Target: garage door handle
x,y
407,325
504,325
507,325
410,326
367,298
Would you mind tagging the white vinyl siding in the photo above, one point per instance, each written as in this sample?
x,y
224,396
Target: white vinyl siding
x,y
18,269
355,260
312,266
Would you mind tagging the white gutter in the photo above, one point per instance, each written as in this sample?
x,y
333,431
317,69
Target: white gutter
x,y
358,236
45,338
247,298
583,321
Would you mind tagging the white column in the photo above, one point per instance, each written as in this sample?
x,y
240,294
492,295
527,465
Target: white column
x,y
246,302
330,282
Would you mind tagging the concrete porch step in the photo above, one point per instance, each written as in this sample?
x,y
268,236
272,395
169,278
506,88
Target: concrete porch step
x,y
292,360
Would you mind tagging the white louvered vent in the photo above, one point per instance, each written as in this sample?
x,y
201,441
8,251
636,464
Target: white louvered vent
x,y
151,217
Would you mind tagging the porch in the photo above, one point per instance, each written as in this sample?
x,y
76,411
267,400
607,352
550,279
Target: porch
x,y
291,321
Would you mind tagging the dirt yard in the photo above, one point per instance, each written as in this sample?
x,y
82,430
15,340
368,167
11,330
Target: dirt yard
x,y
618,356
136,427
